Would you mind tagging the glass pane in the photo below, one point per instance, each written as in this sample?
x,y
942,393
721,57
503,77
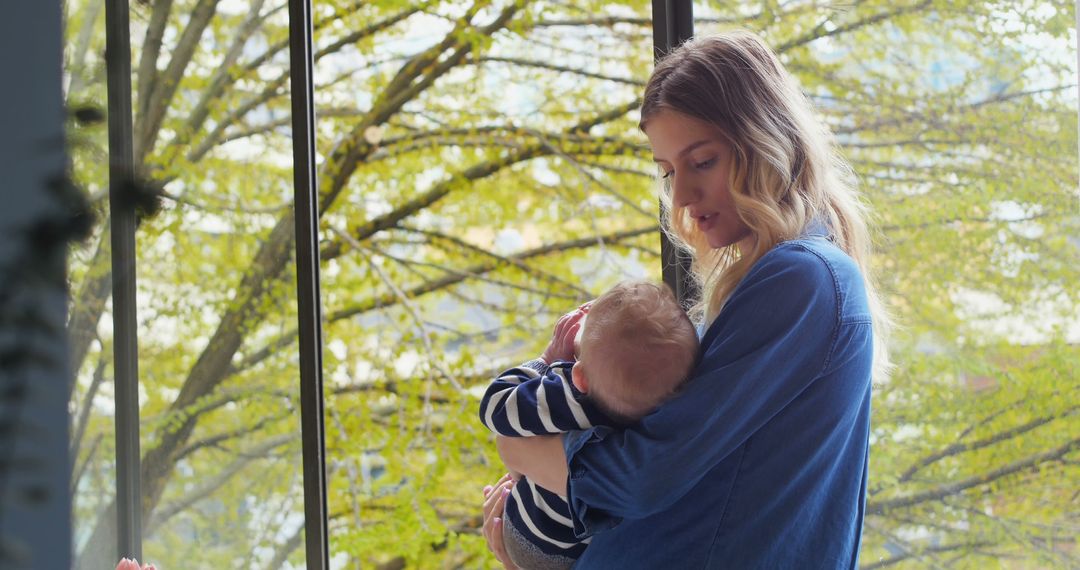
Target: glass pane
x,y
485,175
219,400
93,435
960,120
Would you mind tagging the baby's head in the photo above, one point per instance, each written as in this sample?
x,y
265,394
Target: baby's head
x,y
636,347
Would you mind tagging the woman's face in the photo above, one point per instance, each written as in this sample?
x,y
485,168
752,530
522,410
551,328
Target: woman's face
x,y
696,161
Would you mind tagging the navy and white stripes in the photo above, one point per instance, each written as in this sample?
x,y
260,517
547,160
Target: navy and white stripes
x,y
537,399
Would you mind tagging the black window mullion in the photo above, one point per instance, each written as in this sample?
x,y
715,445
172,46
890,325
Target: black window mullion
x,y
122,228
306,212
673,23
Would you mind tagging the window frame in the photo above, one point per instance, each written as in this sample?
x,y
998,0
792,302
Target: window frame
x,y
673,24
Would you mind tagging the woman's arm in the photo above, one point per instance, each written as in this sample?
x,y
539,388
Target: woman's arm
x,y
772,339
540,458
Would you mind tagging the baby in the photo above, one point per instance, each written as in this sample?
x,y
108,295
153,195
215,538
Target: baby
x,y
633,352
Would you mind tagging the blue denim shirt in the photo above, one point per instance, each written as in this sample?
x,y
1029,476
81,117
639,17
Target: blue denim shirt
x,y
761,460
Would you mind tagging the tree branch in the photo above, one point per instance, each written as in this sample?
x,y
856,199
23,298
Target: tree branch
x,y
206,487
910,553
387,300
223,75
1031,540
87,405
284,549
89,302
151,50
589,176
484,267
603,22
318,25
412,265
371,30
405,301
274,86
612,21
949,489
79,471
506,136
958,448
619,169
217,439
820,31
966,220
559,68
392,218
347,155
165,86
77,67
524,267
910,117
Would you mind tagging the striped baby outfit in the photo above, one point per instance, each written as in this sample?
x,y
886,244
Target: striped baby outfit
x,y
537,399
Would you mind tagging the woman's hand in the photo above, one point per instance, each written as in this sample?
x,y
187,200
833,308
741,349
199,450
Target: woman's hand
x,y
494,506
563,345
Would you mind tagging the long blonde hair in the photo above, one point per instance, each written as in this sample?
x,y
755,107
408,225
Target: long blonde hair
x,y
786,171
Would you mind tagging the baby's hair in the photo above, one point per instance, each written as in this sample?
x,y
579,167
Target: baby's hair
x,y
637,346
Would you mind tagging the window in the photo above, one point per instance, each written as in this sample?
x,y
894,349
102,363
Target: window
x,y
479,170
467,156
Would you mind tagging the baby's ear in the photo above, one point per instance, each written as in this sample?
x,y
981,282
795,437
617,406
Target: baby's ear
x,y
577,376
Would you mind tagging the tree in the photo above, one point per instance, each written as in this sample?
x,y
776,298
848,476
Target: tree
x,y
481,171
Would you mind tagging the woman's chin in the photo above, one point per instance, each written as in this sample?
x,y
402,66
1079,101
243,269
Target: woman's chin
x,y
719,242
722,241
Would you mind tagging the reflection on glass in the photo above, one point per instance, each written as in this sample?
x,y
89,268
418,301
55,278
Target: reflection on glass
x,y
960,120
219,400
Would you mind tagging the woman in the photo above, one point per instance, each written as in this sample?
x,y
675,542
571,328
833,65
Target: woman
x,y
761,460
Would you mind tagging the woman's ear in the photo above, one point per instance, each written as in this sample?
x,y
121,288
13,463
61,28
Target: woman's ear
x,y
577,376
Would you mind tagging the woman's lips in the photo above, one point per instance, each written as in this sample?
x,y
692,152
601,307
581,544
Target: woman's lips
x,y
706,223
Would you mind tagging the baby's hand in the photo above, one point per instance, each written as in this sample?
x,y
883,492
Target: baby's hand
x,y
563,346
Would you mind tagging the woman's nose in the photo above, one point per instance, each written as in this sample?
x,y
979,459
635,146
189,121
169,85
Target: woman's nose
x,y
683,192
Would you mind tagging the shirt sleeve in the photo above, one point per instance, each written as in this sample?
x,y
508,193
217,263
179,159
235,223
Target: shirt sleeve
x,y
771,340
535,399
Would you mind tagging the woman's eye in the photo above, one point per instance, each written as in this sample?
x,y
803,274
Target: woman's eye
x,y
705,164
667,175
